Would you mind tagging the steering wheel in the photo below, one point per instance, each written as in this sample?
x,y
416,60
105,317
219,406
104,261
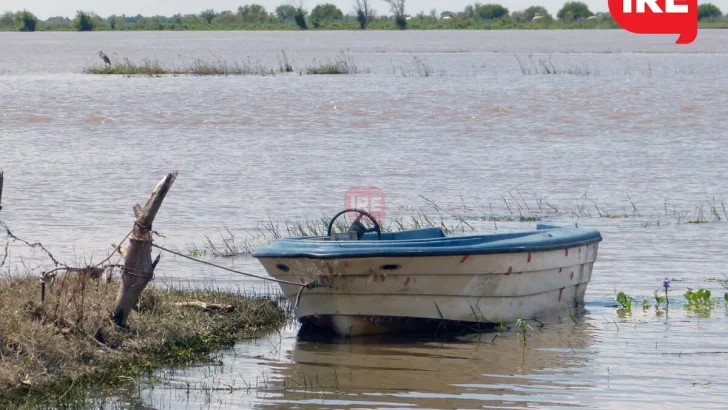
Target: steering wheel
x,y
357,226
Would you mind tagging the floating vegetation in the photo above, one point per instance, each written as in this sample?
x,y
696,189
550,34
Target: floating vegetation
x,y
626,302
699,301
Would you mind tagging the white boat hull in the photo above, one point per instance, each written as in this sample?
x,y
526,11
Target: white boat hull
x,y
371,295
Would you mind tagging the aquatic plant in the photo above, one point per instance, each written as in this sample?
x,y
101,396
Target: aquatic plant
x,y
284,65
198,67
545,66
340,65
625,301
522,327
666,286
699,301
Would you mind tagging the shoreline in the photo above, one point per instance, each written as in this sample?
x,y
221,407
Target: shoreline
x,y
56,351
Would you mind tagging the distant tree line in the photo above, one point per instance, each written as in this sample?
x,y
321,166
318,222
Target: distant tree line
x,y
325,15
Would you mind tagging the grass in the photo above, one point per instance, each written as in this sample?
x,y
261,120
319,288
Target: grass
x,y
57,349
546,66
340,65
198,67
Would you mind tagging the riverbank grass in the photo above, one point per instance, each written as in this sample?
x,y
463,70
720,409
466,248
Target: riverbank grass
x,y
60,348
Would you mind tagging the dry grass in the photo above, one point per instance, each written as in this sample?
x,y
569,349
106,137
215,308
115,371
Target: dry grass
x,y
55,349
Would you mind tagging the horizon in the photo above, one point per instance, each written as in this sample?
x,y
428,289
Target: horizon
x,y
45,9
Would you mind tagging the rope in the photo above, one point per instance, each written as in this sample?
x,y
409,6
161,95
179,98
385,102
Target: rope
x,y
309,285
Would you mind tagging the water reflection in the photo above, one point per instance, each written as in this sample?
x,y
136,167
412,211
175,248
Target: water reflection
x,y
477,370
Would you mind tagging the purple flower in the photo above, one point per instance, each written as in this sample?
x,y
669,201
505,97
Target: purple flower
x,y
666,283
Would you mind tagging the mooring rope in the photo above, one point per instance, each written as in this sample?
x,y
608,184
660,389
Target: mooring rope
x,y
302,285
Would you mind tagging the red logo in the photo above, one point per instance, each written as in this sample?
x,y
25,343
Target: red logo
x,y
658,17
367,198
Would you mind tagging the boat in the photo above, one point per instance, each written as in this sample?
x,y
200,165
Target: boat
x,y
365,281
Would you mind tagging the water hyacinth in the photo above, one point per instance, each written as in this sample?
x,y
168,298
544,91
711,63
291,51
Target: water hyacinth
x,y
666,283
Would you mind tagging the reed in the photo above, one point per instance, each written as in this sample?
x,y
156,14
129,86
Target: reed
x,y
340,65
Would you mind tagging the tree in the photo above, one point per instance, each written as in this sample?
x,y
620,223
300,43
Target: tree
x,y
708,11
207,15
574,10
286,13
300,18
7,19
486,11
534,11
254,13
83,21
397,8
362,13
325,13
112,21
26,20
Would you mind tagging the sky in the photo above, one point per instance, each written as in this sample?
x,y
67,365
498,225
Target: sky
x,y
50,8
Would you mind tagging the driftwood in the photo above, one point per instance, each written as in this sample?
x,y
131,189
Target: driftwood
x,y
138,265
206,306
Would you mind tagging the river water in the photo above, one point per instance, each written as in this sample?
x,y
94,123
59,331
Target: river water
x,y
629,126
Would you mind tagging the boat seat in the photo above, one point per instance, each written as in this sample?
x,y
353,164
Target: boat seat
x,y
424,233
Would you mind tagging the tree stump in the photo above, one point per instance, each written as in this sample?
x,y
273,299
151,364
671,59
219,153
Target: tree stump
x,y
138,265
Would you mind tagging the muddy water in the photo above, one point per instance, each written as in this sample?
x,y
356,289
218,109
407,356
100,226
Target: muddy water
x,y
633,126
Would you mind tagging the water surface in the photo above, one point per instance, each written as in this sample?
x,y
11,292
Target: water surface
x,y
638,129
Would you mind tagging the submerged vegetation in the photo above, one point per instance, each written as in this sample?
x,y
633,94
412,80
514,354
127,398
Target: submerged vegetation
x,y
342,64
58,347
153,68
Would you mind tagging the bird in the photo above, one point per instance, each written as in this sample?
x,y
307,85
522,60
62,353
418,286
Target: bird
x,y
104,57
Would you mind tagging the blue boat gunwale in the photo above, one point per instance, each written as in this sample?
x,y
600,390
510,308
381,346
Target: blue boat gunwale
x,y
319,247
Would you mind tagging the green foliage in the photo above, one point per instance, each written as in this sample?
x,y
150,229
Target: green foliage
x,y
660,298
300,18
522,327
486,11
325,13
26,20
574,10
208,15
534,11
397,8
83,21
645,304
625,301
7,20
708,11
286,13
254,13
699,301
